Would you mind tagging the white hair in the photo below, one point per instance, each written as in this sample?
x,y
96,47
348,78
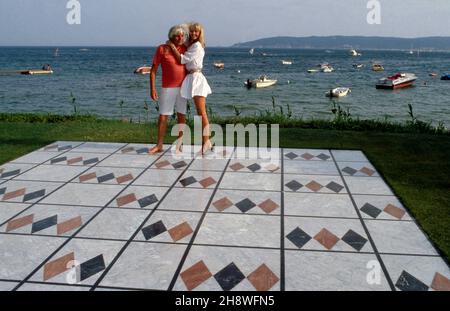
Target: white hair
x,y
174,30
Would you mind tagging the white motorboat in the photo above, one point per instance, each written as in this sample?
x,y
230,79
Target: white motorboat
x,y
263,81
327,69
354,53
144,70
377,67
313,70
286,62
358,66
251,51
338,92
219,65
397,81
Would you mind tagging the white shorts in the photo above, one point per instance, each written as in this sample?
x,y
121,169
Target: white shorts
x,y
169,99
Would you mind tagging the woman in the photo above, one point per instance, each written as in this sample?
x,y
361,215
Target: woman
x,y
195,85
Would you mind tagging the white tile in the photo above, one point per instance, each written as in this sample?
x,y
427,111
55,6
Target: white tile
x,y
317,204
367,185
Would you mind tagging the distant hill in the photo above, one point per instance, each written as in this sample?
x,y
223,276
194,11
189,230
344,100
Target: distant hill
x,y
342,42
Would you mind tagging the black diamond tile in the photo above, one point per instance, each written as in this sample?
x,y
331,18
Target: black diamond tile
x,y
153,230
188,181
291,155
90,161
91,267
323,156
148,200
354,240
371,210
254,167
127,149
334,187
229,277
63,148
298,237
9,174
44,224
106,177
294,185
57,160
2,190
349,170
33,195
245,205
142,150
406,282
179,164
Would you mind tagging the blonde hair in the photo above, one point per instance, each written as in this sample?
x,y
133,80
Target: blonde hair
x,y
199,27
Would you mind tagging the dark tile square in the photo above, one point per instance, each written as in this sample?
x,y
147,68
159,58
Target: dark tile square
x,y
148,200
91,267
2,191
229,277
179,164
254,167
334,187
153,230
298,237
371,210
57,160
407,282
349,170
44,224
188,181
291,155
9,174
106,177
90,161
33,195
294,185
142,150
127,149
354,240
323,156
245,205
63,148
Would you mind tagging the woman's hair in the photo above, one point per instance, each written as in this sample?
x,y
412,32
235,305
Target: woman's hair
x,y
199,27
174,30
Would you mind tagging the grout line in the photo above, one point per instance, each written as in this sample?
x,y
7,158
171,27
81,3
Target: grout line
x,y
74,234
377,254
282,246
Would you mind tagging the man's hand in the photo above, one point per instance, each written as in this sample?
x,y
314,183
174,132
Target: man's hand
x,y
154,94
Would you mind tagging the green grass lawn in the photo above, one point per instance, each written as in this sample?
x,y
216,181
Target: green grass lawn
x,y
416,166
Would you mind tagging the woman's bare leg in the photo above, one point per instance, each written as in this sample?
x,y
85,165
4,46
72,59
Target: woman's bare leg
x,y
200,105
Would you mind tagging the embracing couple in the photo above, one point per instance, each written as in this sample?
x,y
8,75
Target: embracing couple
x,y
181,60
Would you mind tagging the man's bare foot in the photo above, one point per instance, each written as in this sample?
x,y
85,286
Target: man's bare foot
x,y
155,149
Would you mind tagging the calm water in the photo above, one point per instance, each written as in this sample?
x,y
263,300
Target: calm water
x,y
101,77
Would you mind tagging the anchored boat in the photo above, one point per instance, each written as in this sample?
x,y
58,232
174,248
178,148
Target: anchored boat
x,y
263,81
144,70
219,65
446,77
397,81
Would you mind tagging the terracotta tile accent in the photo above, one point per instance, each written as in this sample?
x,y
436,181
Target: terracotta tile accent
x,y
162,164
74,160
195,275
394,211
69,225
268,206
263,278
326,238
19,222
222,204
180,231
207,182
58,266
440,282
124,178
314,186
237,166
307,156
367,171
126,199
87,177
14,194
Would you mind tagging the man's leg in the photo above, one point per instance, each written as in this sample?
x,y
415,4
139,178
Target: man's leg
x,y
181,118
162,126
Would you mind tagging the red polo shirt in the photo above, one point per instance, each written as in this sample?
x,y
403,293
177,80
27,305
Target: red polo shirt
x,y
173,73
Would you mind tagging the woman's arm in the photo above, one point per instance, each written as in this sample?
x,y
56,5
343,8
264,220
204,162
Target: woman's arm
x,y
174,51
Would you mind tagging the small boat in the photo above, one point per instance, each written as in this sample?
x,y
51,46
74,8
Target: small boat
x,y
219,65
36,72
358,66
56,53
251,51
313,70
433,74
377,67
338,92
263,81
286,62
446,77
411,52
354,53
327,69
144,70
397,81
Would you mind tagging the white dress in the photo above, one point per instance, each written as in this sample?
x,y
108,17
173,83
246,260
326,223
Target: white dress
x,y
194,84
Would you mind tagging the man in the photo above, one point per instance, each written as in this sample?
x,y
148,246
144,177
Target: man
x,y
173,74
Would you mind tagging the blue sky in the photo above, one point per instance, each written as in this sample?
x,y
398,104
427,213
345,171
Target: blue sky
x,y
145,22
